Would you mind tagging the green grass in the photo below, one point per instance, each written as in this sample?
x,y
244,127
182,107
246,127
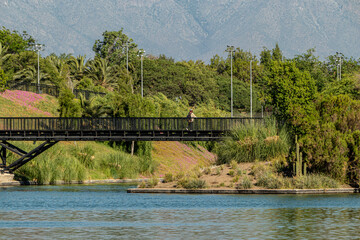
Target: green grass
x,y
254,141
79,162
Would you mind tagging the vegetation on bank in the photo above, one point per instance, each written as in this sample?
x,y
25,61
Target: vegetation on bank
x,y
81,161
305,96
257,175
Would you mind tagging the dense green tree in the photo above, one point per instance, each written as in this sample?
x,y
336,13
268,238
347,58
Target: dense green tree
x,y
277,53
292,95
68,106
14,41
318,70
113,47
265,57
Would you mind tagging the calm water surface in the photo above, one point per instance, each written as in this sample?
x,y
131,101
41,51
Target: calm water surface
x,y
108,212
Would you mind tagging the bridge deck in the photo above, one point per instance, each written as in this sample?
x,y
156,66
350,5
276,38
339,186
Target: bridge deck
x,y
116,129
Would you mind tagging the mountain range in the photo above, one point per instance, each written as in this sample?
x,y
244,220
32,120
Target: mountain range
x,y
190,29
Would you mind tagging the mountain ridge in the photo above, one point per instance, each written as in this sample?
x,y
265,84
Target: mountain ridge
x,y
190,29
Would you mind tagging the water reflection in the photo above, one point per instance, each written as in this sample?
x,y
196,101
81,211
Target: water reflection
x,y
107,211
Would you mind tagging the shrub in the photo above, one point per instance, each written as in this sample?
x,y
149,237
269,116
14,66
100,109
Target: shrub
x,y
245,183
168,177
153,182
233,164
231,173
192,183
235,179
179,176
239,172
207,171
142,184
271,181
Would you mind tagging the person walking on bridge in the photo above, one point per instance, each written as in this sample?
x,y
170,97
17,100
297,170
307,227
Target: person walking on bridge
x,y
190,118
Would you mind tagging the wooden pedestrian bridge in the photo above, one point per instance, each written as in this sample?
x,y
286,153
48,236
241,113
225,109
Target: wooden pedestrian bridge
x,y
50,130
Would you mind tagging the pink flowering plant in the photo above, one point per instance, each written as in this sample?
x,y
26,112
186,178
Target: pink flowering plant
x,y
28,100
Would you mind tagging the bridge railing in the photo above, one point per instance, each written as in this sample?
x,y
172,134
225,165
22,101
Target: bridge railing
x,y
130,124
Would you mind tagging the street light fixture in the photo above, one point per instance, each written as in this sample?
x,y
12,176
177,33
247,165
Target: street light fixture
x,y
38,48
231,49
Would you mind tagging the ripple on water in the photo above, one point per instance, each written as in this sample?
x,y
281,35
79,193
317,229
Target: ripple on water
x,y
107,211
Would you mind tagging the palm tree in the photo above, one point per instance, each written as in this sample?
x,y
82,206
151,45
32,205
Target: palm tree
x,y
3,54
102,74
60,69
90,109
77,67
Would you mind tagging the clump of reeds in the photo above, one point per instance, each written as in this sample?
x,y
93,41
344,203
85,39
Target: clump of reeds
x,y
254,141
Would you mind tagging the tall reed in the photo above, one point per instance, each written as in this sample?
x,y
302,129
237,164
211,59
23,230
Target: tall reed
x,y
254,141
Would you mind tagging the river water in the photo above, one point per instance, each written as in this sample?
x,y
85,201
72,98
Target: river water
x,y
108,212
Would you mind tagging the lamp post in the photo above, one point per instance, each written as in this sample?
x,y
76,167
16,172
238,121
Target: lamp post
x,y
231,49
38,48
251,113
142,72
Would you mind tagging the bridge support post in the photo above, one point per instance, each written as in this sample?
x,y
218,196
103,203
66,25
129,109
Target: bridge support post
x,y
24,156
3,156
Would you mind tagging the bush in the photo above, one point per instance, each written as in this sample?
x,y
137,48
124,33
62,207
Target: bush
x,y
192,183
168,177
153,182
245,183
270,181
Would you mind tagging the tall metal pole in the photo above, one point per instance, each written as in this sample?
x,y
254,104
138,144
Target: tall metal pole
x,y
142,74
38,48
38,71
251,112
232,104
231,50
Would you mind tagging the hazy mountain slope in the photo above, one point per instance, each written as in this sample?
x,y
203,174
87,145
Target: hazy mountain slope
x,y
190,29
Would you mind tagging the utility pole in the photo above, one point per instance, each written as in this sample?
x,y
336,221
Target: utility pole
x,y
142,73
251,112
38,48
231,49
